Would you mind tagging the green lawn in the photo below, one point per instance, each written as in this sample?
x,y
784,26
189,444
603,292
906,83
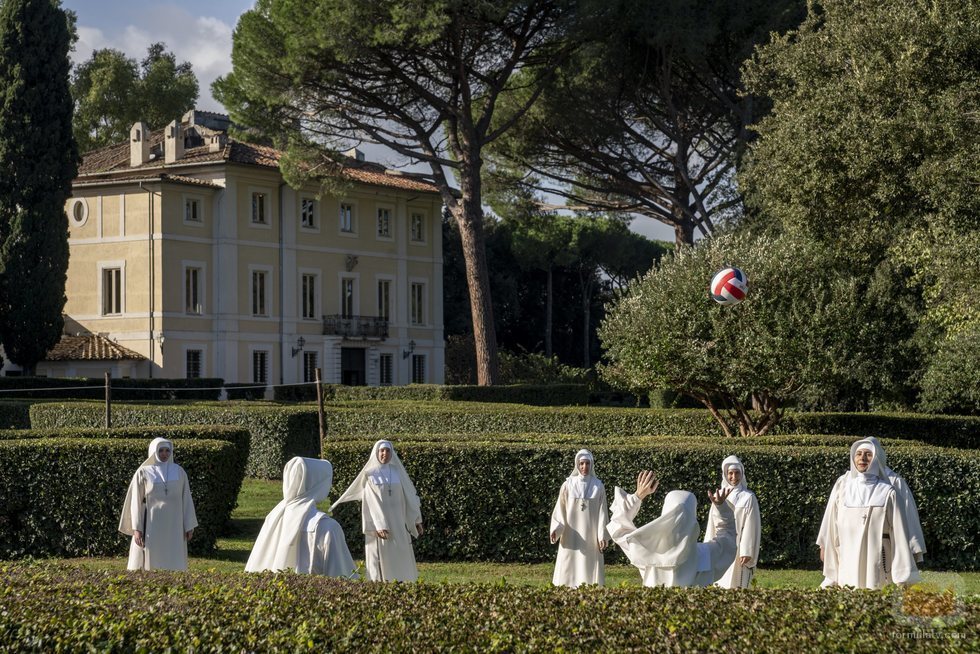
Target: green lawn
x,y
258,497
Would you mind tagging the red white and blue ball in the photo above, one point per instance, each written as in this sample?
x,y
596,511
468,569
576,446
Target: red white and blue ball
x,y
729,286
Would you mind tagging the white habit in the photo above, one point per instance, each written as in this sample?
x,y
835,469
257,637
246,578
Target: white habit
x,y
295,535
388,502
158,503
748,527
580,518
863,535
666,550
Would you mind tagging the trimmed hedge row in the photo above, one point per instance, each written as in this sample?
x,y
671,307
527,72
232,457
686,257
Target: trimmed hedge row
x,y
14,414
533,394
300,613
277,433
492,501
62,496
122,389
596,422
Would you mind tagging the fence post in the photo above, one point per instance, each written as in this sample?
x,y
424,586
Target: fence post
x,y
319,410
108,401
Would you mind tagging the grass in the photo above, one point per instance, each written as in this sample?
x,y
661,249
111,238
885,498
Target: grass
x,y
259,496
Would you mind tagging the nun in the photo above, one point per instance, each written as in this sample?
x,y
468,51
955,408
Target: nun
x,y
578,525
864,542
158,512
666,551
748,525
391,515
296,535
910,511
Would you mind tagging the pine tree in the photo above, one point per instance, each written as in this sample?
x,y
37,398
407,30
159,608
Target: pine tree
x,y
38,160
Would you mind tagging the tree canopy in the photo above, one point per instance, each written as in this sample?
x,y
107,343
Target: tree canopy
x,y
112,92
428,80
38,160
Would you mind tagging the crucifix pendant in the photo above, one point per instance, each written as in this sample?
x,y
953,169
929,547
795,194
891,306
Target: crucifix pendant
x,y
583,505
389,491
166,491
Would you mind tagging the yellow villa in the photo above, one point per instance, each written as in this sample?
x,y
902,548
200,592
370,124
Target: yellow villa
x,y
189,252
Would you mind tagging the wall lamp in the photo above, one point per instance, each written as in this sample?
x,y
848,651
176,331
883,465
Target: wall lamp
x,y
160,339
408,352
300,342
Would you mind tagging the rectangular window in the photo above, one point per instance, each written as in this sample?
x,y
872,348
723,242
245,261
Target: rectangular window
x,y
260,366
258,208
384,223
192,291
386,369
347,297
418,228
307,212
309,296
384,299
418,368
192,211
193,364
417,303
258,293
346,217
309,366
111,291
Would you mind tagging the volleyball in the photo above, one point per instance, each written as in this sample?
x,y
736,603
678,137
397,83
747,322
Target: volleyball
x,y
729,286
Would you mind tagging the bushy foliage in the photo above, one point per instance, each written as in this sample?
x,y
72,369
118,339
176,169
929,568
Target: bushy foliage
x,y
277,434
492,501
797,332
122,389
62,490
951,382
14,414
544,394
300,613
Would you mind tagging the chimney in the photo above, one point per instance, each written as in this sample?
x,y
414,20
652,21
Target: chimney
x,y
173,147
216,142
139,144
355,154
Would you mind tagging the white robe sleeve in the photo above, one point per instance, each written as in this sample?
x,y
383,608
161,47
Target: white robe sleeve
x,y
372,513
829,539
558,514
911,514
190,516
131,517
903,569
603,533
748,540
624,509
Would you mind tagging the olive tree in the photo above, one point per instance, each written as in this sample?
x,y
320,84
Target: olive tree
x,y
794,334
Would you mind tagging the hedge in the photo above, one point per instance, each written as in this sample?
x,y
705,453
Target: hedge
x,y
48,608
14,414
595,422
533,394
277,433
122,389
62,496
492,501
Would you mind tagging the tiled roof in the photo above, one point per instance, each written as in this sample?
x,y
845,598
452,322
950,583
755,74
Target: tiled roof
x,y
111,163
90,347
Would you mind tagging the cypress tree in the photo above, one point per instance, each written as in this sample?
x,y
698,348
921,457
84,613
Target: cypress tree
x,y
38,160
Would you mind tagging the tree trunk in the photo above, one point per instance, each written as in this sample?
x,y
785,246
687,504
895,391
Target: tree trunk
x,y
549,298
469,216
683,232
586,317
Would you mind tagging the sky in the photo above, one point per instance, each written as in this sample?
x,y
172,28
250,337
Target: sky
x,y
199,32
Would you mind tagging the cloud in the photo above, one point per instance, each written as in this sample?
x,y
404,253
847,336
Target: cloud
x,y
204,41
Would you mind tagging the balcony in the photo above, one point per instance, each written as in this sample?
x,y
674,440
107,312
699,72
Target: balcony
x,y
355,327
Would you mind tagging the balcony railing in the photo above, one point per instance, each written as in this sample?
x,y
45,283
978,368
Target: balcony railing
x,y
355,326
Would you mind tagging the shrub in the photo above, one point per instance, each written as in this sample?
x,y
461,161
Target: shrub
x,y
62,496
299,613
951,382
491,501
535,394
250,392
15,414
122,389
277,433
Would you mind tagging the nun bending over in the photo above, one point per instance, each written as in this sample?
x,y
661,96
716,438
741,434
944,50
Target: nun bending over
x,y
296,535
578,525
863,539
390,515
158,512
748,525
667,551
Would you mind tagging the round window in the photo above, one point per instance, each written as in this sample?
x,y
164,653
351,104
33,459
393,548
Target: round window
x,y
79,212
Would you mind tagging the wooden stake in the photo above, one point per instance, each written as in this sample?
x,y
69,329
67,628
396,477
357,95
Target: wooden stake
x,y
319,411
108,401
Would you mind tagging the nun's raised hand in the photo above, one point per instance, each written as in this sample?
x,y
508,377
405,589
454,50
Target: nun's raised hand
x,y
720,496
646,483
382,534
